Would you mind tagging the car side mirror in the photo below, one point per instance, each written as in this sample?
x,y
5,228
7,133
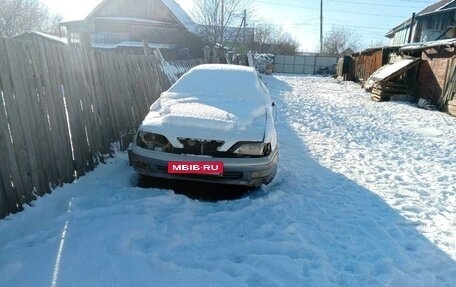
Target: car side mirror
x,y
273,104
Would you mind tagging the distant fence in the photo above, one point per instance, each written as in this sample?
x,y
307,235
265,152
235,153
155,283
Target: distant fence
x,y
303,64
61,108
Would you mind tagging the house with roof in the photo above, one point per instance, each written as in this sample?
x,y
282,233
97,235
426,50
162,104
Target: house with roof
x,y
130,26
435,22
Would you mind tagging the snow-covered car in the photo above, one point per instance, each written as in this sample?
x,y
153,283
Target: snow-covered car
x,y
213,114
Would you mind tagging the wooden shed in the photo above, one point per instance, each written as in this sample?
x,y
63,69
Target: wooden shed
x,y
436,75
369,61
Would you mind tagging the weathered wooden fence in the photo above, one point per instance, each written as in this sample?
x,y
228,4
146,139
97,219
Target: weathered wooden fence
x,y
61,108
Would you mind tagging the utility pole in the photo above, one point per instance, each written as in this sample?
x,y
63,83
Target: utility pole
x,y
245,24
222,40
321,27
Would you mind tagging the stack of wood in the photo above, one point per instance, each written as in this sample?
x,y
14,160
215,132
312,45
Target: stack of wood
x,y
395,81
449,99
452,107
392,90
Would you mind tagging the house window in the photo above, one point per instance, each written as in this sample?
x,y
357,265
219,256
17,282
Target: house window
x,y
446,21
435,22
438,22
108,38
429,23
74,38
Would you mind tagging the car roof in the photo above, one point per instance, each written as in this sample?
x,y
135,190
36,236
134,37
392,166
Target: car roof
x,y
220,79
223,67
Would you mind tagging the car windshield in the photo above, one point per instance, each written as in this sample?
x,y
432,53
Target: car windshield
x,y
212,80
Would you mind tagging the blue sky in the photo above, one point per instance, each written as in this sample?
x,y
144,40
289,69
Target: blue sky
x,y
368,18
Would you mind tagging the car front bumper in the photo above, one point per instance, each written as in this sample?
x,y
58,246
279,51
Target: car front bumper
x,y
237,171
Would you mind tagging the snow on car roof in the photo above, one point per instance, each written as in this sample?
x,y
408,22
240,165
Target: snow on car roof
x,y
212,97
219,79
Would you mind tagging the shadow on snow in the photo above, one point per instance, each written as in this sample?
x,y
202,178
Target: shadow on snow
x,y
202,191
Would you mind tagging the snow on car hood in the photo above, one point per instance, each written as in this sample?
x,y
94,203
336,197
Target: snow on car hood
x,y
212,117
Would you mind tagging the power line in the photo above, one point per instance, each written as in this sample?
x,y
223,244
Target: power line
x,y
331,22
360,26
308,22
339,11
414,1
376,4
345,21
337,23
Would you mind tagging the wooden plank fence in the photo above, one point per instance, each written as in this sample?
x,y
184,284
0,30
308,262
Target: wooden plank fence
x,y
61,108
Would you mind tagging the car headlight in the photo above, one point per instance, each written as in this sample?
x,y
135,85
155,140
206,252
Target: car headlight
x,y
153,141
253,148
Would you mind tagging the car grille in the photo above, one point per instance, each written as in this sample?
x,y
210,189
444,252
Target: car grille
x,y
200,147
205,147
225,175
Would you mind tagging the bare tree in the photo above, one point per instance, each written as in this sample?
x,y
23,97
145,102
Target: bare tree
x,y
376,43
339,39
215,24
18,16
270,38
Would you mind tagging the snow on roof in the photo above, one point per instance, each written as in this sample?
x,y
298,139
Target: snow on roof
x,y
430,44
415,46
133,44
181,16
388,70
151,45
44,35
236,80
130,19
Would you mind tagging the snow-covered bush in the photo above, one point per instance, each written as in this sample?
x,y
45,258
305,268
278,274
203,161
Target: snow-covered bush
x,y
263,62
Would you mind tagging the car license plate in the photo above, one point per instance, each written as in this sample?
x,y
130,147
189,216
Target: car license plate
x,y
195,167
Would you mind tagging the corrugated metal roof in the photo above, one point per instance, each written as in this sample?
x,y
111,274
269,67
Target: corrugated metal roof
x,y
430,44
435,7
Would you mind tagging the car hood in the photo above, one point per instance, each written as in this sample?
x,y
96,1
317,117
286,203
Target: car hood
x,y
207,117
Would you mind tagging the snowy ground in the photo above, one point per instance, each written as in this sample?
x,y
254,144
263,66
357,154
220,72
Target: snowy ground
x,y
365,196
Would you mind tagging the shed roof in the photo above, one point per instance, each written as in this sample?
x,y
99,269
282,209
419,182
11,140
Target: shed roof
x,y
43,35
413,46
391,71
133,44
430,44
